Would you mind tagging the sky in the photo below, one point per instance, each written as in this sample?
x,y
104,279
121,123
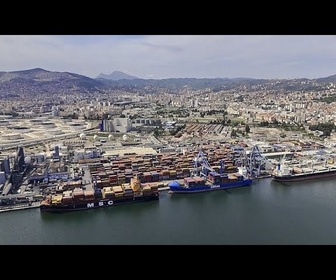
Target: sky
x,y
174,56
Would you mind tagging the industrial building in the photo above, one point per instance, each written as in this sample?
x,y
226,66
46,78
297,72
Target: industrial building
x,y
121,125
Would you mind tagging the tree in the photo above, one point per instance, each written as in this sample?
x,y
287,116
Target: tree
x,y
156,132
247,129
233,133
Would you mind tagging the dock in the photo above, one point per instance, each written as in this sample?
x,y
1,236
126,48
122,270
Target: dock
x,y
19,207
25,206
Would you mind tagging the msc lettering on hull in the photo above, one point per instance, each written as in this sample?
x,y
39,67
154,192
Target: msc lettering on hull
x,y
100,203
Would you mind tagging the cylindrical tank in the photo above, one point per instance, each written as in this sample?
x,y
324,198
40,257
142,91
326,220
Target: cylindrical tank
x,y
28,159
125,137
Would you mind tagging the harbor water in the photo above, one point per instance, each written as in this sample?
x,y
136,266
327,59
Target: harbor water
x,y
266,213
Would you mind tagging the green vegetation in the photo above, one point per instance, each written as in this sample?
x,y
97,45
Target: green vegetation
x,y
103,134
176,130
328,99
285,126
237,121
159,131
326,128
247,129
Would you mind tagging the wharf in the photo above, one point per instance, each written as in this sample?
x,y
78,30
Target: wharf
x,y
37,204
19,207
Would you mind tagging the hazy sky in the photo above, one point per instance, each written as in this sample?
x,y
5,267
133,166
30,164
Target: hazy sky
x,y
174,56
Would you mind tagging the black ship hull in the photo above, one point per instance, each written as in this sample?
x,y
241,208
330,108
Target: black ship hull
x,y
304,176
87,205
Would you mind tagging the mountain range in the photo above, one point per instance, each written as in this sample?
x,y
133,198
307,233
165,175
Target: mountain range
x,y
40,81
115,76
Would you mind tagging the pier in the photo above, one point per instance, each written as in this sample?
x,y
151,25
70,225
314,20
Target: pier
x,y
19,207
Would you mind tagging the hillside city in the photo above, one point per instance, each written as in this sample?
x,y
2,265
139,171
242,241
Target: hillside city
x,y
292,111
61,131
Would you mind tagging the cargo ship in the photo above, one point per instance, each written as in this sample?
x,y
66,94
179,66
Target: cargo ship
x,y
284,173
82,199
204,178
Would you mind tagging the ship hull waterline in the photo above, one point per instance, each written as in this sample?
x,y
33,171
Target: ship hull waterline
x,y
206,188
304,177
101,203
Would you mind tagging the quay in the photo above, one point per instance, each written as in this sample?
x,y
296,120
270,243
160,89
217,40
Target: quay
x,y
37,204
19,207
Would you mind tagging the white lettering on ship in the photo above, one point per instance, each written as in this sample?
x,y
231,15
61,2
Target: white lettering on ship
x,y
100,203
215,186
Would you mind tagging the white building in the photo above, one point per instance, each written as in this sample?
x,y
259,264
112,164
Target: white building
x,y
121,125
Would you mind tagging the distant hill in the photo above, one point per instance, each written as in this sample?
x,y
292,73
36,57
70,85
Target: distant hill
x,y
38,81
330,79
116,75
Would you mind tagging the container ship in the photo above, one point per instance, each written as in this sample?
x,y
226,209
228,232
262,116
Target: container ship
x,y
204,178
295,174
82,199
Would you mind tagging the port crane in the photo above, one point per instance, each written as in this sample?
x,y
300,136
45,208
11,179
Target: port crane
x,y
257,162
254,161
202,166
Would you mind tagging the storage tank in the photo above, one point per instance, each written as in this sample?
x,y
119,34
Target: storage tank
x,y
28,159
125,137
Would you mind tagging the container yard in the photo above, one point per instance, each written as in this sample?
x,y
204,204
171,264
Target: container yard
x,y
154,168
112,170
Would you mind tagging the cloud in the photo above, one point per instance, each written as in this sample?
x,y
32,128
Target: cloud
x,y
173,56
